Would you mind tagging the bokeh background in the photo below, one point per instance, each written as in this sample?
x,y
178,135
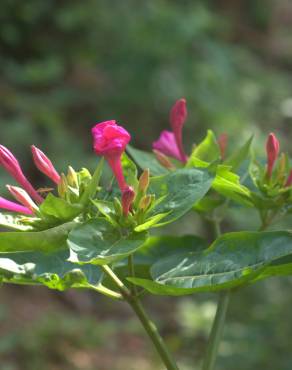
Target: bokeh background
x,y
65,64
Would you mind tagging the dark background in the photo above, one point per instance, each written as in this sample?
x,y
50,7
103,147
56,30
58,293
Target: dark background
x,y
67,64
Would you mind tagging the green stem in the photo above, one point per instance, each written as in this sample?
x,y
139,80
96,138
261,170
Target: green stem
x,y
148,325
219,321
132,273
217,330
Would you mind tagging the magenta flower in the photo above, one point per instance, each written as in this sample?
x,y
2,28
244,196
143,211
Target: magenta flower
x,y
272,149
167,145
14,207
44,164
178,116
11,164
170,142
128,197
110,141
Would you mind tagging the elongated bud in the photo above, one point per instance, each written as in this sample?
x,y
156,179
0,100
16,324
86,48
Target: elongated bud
x,y
222,142
72,177
12,166
144,181
163,160
272,149
128,197
178,115
44,164
22,197
63,186
14,207
145,202
289,180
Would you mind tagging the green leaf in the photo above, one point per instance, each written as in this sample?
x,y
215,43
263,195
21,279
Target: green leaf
x,y
228,184
98,241
146,160
208,150
92,186
150,222
232,260
46,241
60,208
130,171
50,269
12,221
179,191
236,159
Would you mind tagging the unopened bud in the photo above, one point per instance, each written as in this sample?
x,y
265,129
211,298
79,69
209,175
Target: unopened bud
x,y
72,177
63,186
163,160
44,164
145,202
128,197
272,149
222,143
23,197
289,180
144,181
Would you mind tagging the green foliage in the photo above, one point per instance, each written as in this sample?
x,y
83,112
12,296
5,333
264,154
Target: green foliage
x,y
233,259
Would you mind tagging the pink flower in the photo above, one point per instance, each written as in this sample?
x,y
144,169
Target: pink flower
x,y
22,197
11,164
222,142
14,207
178,116
128,197
272,149
167,145
110,141
44,164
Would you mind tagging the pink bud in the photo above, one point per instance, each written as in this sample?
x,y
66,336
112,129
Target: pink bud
x,y
110,141
178,115
14,207
222,142
128,197
11,164
163,160
44,164
22,197
272,149
167,145
289,180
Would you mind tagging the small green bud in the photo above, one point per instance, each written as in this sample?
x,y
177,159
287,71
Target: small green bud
x,y
144,181
63,186
72,177
145,202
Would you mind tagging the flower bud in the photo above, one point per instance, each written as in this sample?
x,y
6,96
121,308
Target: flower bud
x,y
144,181
222,143
289,180
22,197
63,186
178,115
72,177
128,197
14,207
44,164
12,166
272,149
145,202
163,160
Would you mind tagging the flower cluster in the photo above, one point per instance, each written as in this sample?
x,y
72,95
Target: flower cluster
x,y
26,194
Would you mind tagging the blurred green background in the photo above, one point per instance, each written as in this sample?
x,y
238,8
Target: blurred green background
x,y
66,64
